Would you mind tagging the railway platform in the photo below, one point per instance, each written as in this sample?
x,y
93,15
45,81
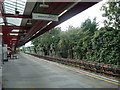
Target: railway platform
x,y
31,72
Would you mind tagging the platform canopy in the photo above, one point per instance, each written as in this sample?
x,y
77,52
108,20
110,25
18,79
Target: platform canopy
x,y
23,20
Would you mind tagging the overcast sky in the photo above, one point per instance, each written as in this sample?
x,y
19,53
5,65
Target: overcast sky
x,y
91,13
77,20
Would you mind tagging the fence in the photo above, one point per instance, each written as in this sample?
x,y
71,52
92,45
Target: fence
x,y
113,70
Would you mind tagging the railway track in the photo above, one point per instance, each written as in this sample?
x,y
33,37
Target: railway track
x,y
111,70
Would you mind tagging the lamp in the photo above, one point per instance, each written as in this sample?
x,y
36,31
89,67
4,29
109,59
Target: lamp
x,y
16,11
43,5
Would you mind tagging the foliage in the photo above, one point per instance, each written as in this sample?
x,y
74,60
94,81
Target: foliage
x,y
48,42
87,42
106,47
112,12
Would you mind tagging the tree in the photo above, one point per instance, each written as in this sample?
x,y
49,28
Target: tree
x,y
112,13
85,43
48,41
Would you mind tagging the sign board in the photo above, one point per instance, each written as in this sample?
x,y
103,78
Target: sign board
x,y
47,17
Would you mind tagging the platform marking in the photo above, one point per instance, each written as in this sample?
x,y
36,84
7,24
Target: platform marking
x,y
80,72
93,76
85,73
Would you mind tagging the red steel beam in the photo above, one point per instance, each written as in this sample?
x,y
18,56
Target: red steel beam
x,y
8,38
5,27
16,16
11,36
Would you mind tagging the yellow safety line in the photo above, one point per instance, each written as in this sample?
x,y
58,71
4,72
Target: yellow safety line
x,y
89,74
31,89
93,76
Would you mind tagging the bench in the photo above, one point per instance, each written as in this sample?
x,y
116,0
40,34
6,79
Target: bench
x,y
14,57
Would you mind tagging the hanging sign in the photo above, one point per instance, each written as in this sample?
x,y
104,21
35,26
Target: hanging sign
x,y
47,17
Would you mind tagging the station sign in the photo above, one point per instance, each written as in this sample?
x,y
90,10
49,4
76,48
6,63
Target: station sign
x,y
47,17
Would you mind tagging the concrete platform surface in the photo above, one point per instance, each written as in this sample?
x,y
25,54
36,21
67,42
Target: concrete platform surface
x,y
0,78
32,72
0,69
